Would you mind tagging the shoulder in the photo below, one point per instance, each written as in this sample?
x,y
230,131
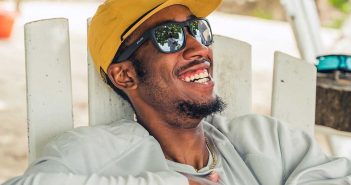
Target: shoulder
x,y
253,134
81,147
96,136
247,124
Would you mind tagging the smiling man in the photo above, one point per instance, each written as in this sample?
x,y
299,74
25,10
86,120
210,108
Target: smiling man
x,y
170,88
157,55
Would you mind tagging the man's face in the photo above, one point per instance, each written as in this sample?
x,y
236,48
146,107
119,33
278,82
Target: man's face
x,y
165,85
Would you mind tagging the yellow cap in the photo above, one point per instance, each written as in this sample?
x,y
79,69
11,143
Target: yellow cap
x,y
117,18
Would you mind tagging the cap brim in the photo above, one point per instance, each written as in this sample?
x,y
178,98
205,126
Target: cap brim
x,y
200,8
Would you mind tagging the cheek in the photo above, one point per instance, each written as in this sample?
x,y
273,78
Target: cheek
x,y
158,66
210,55
210,51
160,73
166,75
161,67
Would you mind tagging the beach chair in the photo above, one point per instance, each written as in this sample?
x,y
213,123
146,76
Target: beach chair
x,y
49,92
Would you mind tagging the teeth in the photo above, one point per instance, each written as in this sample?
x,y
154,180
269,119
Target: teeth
x,y
202,77
197,76
202,80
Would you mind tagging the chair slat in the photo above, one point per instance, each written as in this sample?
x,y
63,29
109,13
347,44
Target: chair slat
x,y
105,106
232,74
294,92
49,89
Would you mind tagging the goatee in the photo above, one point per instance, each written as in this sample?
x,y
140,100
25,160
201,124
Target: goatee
x,y
200,110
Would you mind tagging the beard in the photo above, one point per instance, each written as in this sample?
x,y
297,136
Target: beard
x,y
195,110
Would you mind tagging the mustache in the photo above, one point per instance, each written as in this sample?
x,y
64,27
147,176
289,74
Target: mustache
x,y
191,64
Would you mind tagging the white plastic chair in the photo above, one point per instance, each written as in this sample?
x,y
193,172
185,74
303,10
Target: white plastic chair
x,y
49,91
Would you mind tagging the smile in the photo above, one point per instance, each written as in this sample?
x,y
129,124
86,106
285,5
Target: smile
x,y
198,76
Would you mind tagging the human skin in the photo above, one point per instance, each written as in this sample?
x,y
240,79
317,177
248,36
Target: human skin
x,y
155,97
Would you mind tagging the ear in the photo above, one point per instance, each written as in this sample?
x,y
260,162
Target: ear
x,y
123,75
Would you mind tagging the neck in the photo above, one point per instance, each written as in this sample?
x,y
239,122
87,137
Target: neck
x,y
179,144
186,146
181,138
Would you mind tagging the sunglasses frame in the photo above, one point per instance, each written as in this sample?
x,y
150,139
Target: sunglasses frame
x,y
150,33
338,66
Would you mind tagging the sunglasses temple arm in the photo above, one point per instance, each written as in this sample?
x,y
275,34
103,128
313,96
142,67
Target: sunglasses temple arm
x,y
132,48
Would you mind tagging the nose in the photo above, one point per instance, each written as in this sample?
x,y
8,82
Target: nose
x,y
194,49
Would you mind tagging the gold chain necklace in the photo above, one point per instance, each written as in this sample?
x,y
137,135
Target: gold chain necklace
x,y
213,155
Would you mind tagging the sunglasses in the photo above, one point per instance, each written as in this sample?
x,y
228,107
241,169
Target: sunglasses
x,y
170,37
330,63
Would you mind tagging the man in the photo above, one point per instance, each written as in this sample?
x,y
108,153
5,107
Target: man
x,y
157,55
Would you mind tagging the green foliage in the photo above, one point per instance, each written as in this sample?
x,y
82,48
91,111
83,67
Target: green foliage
x,y
342,5
262,14
165,32
194,26
337,23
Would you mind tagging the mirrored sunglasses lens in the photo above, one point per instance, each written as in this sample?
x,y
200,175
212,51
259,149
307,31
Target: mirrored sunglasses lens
x,y
169,38
201,31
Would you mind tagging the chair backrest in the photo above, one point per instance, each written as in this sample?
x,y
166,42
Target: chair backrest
x,y
48,75
49,89
294,92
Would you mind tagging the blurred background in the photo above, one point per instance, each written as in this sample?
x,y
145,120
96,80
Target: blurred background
x,y
262,23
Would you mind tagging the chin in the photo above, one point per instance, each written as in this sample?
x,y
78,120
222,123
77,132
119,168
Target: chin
x,y
195,110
